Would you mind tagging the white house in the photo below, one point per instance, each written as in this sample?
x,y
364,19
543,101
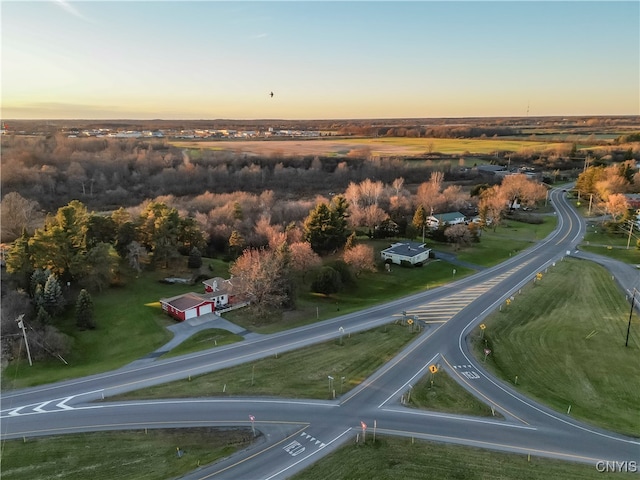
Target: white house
x,y
412,252
219,290
450,218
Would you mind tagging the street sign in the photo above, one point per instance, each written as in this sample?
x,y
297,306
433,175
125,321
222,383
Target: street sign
x,y
252,418
410,322
363,425
487,351
482,326
433,369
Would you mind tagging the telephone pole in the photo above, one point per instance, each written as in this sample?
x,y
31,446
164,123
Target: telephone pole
x,y
633,299
24,334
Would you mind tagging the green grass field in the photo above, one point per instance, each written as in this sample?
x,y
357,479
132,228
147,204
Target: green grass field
x,y
510,238
370,289
130,324
133,454
296,374
209,338
404,459
564,338
445,395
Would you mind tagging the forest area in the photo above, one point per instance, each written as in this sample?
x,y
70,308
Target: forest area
x,y
81,211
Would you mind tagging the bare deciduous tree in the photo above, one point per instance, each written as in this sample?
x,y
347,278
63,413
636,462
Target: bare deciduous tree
x,y
17,214
360,258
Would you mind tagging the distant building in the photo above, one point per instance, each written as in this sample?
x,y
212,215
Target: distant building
x,y
412,252
439,219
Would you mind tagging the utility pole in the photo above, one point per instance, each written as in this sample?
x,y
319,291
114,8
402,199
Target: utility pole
x,y
24,334
590,201
630,231
633,299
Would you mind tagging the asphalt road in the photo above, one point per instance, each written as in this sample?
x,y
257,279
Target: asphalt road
x,y
293,434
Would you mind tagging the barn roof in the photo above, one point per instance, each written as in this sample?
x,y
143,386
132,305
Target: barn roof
x,y
186,301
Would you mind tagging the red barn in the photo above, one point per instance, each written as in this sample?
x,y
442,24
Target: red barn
x,y
186,306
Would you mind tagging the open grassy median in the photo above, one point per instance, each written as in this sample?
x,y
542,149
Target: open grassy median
x,y
298,374
564,339
442,393
400,458
132,454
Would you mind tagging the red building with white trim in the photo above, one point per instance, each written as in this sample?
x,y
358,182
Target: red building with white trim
x,y
188,305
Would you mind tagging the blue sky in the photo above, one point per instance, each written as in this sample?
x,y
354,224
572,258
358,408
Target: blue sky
x,y
322,59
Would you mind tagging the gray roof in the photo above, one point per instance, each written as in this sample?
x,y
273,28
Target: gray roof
x,y
407,249
449,216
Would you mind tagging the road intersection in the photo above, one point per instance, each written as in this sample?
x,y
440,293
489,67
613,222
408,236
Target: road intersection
x,y
296,433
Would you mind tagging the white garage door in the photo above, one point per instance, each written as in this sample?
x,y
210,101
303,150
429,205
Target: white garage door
x,y
191,313
205,309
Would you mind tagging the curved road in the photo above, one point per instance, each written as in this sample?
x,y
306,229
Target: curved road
x,y
297,433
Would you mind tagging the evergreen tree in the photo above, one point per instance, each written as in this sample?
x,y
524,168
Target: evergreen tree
x,y
84,311
420,220
326,226
38,277
18,260
351,241
327,281
195,258
42,316
53,297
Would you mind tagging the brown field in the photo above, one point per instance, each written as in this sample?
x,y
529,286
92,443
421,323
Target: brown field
x,y
384,147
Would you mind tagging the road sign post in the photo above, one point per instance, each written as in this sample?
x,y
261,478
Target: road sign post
x,y
253,428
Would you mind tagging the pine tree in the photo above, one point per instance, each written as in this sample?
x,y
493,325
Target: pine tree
x,y
84,311
195,258
53,297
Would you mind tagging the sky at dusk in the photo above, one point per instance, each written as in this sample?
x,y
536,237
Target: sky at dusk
x,y
322,59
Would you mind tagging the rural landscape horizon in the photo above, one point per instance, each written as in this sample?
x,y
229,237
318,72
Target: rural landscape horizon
x,y
282,240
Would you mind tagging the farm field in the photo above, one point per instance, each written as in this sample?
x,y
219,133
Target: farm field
x,y
392,146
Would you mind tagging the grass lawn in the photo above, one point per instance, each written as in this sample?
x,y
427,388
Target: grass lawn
x,y
369,290
130,454
209,338
399,458
130,324
445,395
564,338
297,374
510,238
631,256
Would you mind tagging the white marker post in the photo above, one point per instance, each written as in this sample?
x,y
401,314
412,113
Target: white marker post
x,y
253,428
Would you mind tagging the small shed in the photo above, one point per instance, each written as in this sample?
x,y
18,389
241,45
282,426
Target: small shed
x,y
188,305
412,252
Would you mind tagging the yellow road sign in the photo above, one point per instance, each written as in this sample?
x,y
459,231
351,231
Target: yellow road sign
x,y
482,326
410,322
433,369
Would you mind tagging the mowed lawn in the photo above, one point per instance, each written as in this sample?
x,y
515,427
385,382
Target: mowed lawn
x,y
564,338
129,324
132,454
297,374
393,458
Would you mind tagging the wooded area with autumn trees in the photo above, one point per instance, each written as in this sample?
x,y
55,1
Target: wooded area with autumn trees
x,y
80,212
